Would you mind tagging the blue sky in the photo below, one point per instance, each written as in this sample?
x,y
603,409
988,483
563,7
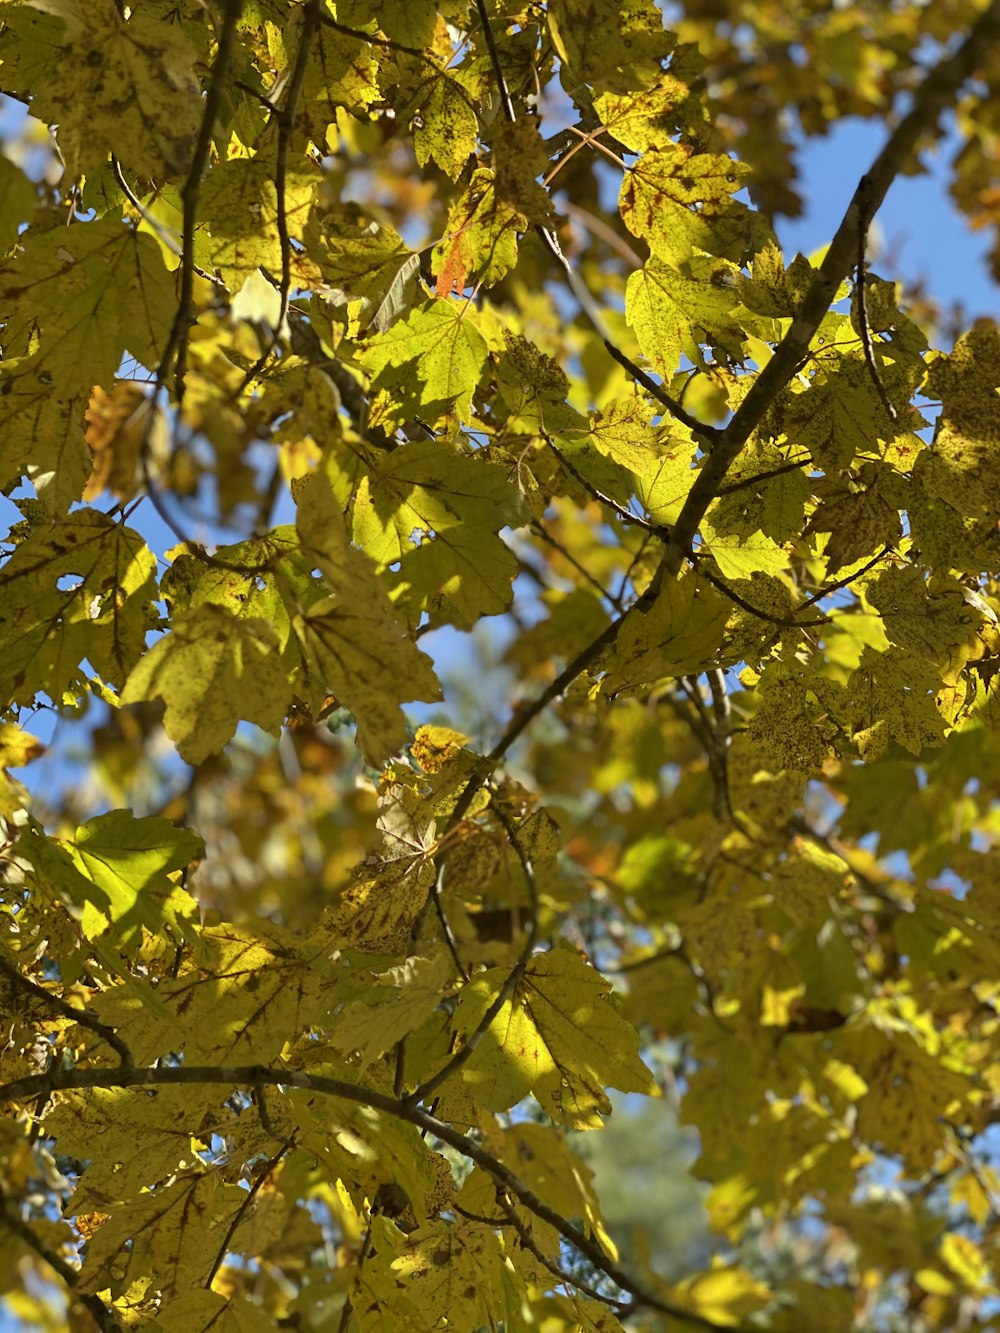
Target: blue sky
x,y
919,233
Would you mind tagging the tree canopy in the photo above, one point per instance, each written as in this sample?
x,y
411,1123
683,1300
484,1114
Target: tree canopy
x,y
499,631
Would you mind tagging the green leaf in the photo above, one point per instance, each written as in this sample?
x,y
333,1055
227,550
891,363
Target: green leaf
x,y
352,640
438,513
480,240
672,314
158,1140
678,635
203,1011
792,723
429,363
41,435
437,1267
212,671
891,698
169,1234
411,22
740,556
558,1036
445,125
963,468
130,860
616,47
389,1005
772,505
94,291
18,197
839,415
679,200
939,621
239,207
374,267
131,89
78,589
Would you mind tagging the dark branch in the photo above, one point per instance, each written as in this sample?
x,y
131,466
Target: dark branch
x,y
176,347
864,222
578,287
624,514
98,1311
929,101
787,622
458,1059
42,1085
286,123
79,1016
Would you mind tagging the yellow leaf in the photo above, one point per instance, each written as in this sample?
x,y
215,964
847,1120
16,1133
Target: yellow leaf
x,y
352,640
679,634
672,314
114,428
966,1260
132,88
724,1295
212,670
558,1036
18,747
97,290
172,1234
81,588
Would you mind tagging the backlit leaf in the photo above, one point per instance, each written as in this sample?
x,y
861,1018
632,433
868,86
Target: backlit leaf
x,y
558,1037
94,293
671,314
212,671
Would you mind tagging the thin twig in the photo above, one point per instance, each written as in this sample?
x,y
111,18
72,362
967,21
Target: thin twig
x,y
578,287
598,227
241,1212
640,552
865,215
98,1311
348,1309
785,621
286,123
176,347
528,1241
79,1016
673,406
624,514
437,888
464,1052
744,482
155,224
570,558
829,588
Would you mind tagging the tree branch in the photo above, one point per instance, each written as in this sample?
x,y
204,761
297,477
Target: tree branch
x,y
464,1052
62,1080
98,1311
286,123
577,286
930,99
177,341
81,1017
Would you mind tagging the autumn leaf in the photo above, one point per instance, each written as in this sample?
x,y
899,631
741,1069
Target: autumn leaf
x,y
212,671
671,313
557,1037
